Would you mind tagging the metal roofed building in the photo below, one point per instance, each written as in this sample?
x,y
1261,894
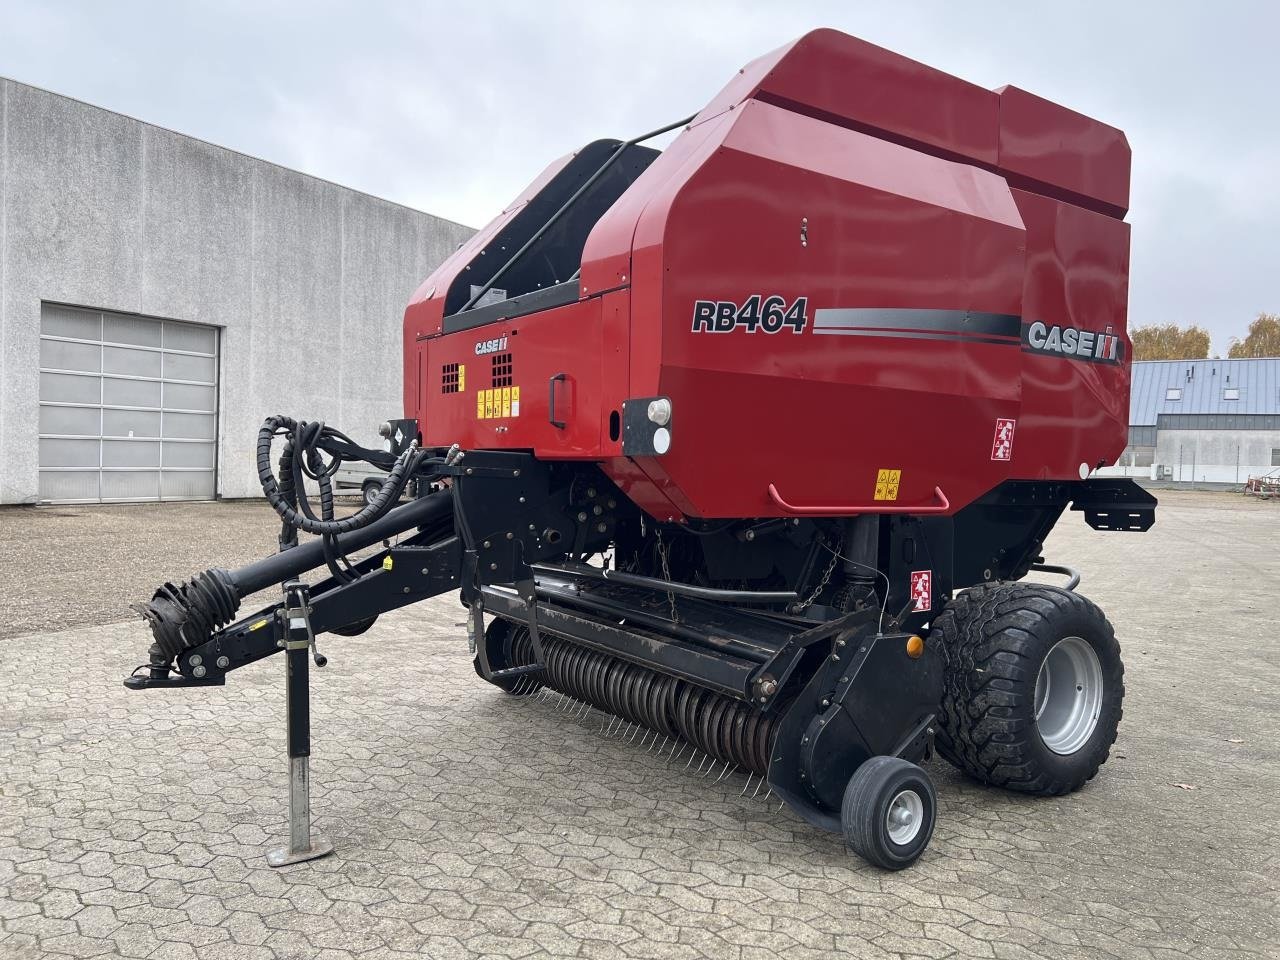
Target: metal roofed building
x,y
1203,421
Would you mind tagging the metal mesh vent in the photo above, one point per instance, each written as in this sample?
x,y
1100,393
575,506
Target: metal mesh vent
x,y
502,370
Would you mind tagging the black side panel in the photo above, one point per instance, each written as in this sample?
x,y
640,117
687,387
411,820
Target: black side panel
x,y
543,299
557,254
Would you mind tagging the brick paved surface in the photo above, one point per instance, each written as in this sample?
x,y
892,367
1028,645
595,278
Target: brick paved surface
x,y
472,824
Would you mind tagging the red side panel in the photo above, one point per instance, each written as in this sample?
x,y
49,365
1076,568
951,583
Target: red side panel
x,y
841,78
814,413
1048,148
1073,411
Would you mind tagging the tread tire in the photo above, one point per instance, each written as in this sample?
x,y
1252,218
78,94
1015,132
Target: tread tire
x,y
995,638
867,797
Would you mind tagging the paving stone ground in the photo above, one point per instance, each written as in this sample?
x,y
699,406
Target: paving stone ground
x,y
471,824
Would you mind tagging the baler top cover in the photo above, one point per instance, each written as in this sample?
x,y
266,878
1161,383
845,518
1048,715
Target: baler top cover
x,y
860,283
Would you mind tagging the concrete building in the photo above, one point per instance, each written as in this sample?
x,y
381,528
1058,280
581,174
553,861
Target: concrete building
x,y
1203,421
160,295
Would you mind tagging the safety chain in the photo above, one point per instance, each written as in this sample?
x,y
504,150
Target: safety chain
x,y
826,577
666,572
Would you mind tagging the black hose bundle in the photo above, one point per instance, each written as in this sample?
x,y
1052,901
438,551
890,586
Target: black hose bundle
x,y
302,458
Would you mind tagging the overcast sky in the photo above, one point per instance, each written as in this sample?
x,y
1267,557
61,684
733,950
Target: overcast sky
x,y
452,108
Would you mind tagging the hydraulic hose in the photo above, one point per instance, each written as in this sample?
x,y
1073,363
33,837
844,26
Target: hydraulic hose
x,y
301,458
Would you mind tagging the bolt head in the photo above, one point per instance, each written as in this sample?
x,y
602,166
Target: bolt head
x,y
198,671
224,662
487,544
196,660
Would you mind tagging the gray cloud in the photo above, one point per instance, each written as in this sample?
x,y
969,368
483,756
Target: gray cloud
x,y
453,108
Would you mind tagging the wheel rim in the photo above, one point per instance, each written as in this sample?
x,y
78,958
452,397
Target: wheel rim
x,y
905,817
1068,695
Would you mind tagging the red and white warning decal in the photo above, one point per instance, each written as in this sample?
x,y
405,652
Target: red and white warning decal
x,y
1002,444
922,589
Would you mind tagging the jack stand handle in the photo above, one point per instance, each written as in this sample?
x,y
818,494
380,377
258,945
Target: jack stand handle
x,y
298,641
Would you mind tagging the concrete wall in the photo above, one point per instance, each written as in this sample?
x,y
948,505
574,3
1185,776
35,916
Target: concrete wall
x,y
1216,456
308,280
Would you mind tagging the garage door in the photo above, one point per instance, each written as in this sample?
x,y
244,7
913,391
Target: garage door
x,y
128,407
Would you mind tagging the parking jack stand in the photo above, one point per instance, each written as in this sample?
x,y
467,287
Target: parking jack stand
x,y
299,644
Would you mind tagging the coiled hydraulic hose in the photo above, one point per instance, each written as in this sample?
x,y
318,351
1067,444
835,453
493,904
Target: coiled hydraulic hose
x,y
302,458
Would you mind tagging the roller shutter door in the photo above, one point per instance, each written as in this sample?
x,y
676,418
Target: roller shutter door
x,y
128,407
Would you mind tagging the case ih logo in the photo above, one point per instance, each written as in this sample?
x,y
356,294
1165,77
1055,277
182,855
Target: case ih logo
x,y
757,312
491,346
1072,342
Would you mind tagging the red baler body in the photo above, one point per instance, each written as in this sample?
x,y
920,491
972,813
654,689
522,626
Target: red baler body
x,y
948,243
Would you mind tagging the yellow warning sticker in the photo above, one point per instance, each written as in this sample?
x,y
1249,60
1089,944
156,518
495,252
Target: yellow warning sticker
x,y
498,402
887,484
462,378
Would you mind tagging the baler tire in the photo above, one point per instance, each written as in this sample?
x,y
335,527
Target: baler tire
x,y
995,639
867,812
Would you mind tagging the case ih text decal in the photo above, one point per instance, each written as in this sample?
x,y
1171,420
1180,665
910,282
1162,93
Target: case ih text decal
x,y
1071,342
757,312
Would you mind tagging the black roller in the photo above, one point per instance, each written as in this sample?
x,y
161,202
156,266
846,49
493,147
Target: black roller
x,y
729,730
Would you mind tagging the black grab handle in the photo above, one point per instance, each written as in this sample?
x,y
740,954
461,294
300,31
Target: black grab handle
x,y
551,402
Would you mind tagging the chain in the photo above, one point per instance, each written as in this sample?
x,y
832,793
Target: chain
x,y
826,577
666,573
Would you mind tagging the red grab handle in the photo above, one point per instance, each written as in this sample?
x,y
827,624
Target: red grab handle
x,y
942,506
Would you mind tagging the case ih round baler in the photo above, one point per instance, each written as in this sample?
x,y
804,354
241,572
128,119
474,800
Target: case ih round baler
x,y
748,441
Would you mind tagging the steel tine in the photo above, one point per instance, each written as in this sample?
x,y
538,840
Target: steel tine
x,y
612,721
691,756
727,772
780,807
521,682
750,775
586,709
769,794
758,786
637,731
702,764
661,748
722,772
673,756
